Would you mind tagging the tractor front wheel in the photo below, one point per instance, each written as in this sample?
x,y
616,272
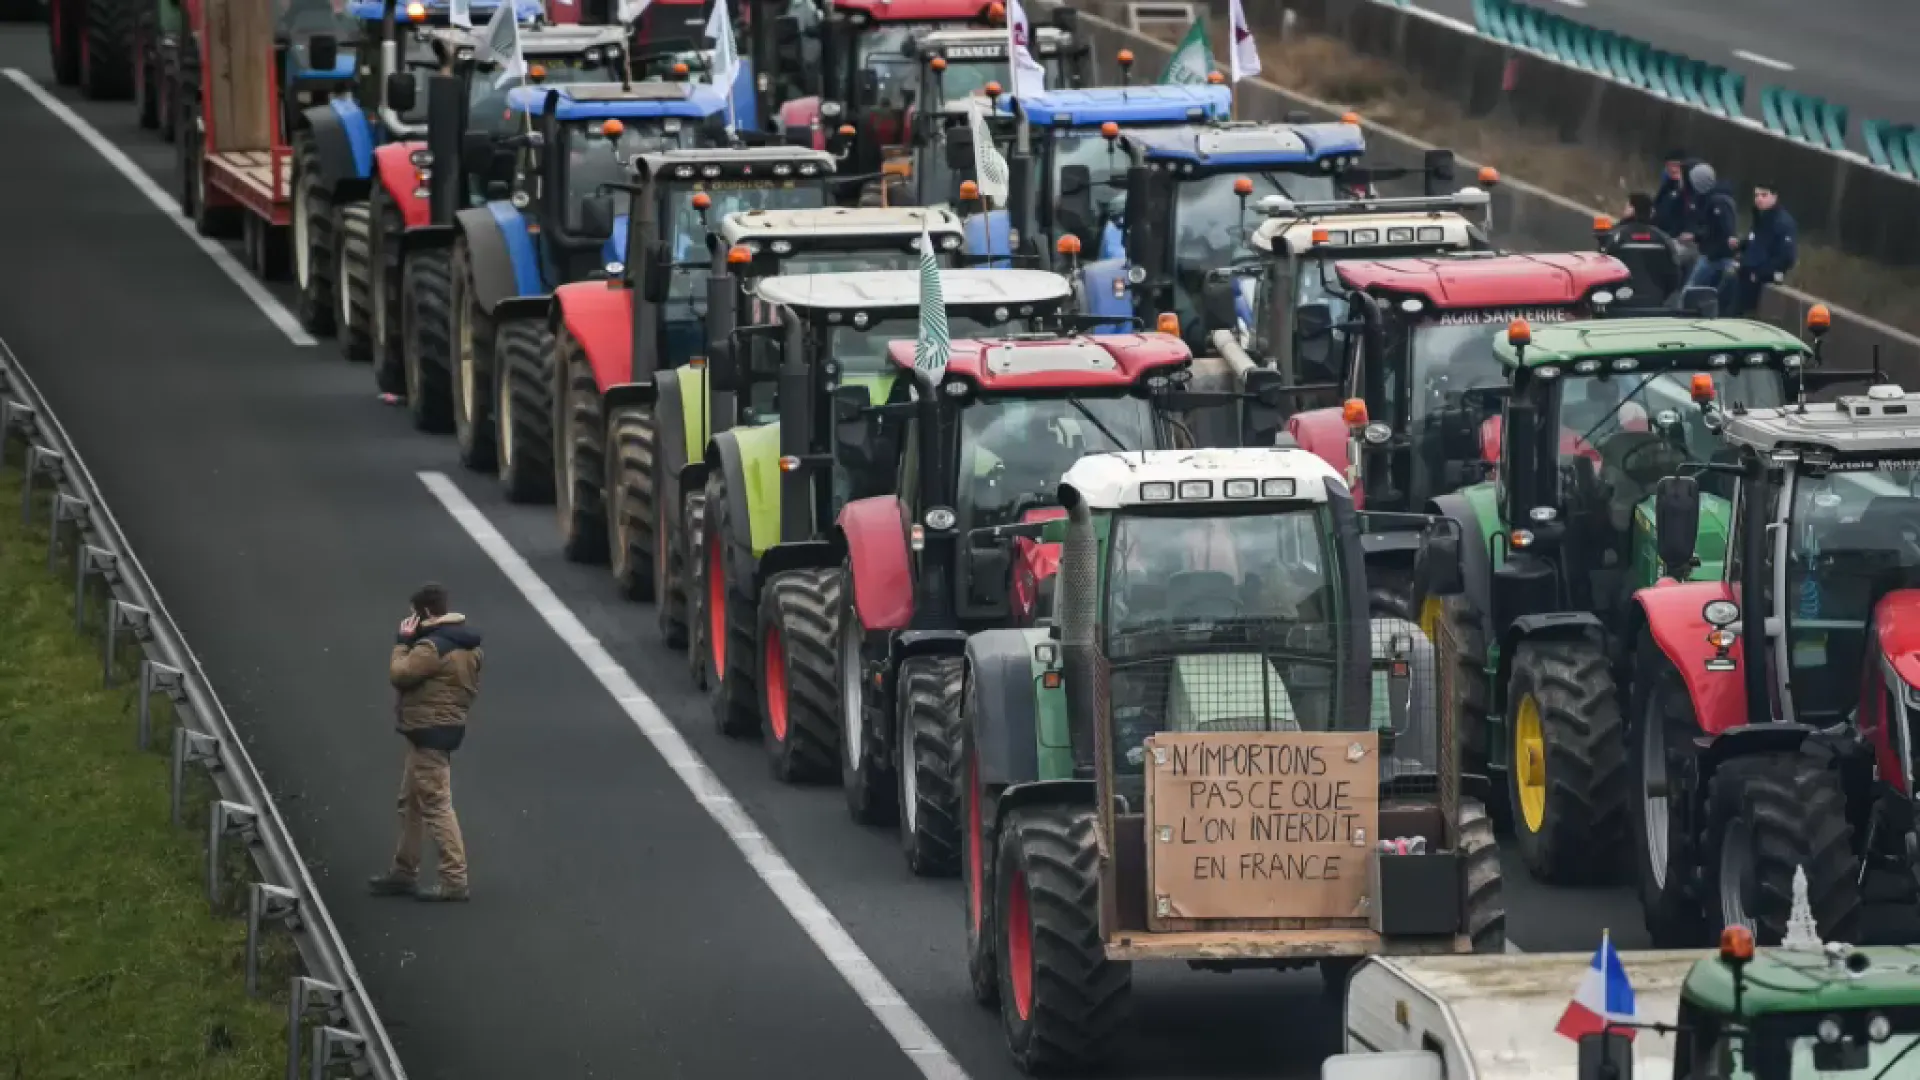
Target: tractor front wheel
x,y
1660,737
106,46
313,256
631,539
1062,1002
522,413
976,861
1768,815
425,329
798,673
472,365
352,292
383,285
670,571
872,798
1566,767
730,611
927,691
1452,619
693,546
580,450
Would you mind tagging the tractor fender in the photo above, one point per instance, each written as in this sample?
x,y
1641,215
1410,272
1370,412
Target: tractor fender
x,y
1042,793
1476,558
989,233
536,308
911,643
500,252
393,163
1324,434
1005,725
1749,739
601,320
749,459
877,554
799,120
1671,613
664,394
344,142
684,414
426,237
1097,282
800,555
642,395
1547,626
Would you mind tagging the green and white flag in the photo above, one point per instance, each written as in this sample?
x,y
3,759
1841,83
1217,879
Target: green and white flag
x,y
990,169
933,345
501,43
1192,62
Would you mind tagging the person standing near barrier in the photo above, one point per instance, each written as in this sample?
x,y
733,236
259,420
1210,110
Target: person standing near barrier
x,y
436,670
1673,200
1649,252
1715,228
1771,248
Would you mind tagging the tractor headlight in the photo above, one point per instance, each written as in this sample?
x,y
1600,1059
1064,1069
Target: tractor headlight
x,y
1586,367
421,158
1829,1029
1543,514
1156,491
949,242
1879,1028
1196,489
1432,234
1136,274
1721,613
940,519
1277,488
829,109
1242,489
615,269
1377,434
782,247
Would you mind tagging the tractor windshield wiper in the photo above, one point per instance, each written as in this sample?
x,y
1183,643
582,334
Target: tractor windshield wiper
x,y
1095,421
1616,409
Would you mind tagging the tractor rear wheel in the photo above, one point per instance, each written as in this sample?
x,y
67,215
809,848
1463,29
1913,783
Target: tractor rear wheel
x,y
1566,767
1455,617
313,256
865,778
146,68
522,413
1769,814
167,84
1486,901
976,861
106,48
383,285
353,295
217,222
580,451
630,510
731,613
1660,733
693,545
798,674
63,40
670,570
1062,1002
927,693
426,326
473,366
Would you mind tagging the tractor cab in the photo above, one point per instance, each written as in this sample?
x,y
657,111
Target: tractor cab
x,y
959,64
1190,208
941,170
297,24
391,46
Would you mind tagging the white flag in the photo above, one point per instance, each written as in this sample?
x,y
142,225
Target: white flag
x,y
631,10
503,44
459,14
1246,54
1028,76
726,59
989,168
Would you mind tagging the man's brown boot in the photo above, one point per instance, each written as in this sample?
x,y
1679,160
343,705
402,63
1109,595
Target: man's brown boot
x,y
442,895
391,884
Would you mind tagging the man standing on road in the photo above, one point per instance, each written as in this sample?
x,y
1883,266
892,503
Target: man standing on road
x,y
1715,226
1768,253
1651,255
1673,202
436,669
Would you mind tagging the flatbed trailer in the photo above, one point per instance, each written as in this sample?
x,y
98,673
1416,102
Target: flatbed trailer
x,y
237,141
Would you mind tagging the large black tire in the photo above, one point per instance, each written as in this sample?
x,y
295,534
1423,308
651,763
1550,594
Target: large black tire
x,y
146,67
1577,835
523,415
1390,588
693,542
353,295
1661,727
976,860
672,576
927,725
169,85
866,778
472,359
731,611
799,674
426,327
1486,899
580,452
1469,683
1781,811
215,222
313,257
1062,1002
630,506
383,286
63,39
106,50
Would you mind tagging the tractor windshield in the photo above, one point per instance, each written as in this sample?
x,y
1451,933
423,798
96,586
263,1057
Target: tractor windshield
x,y
843,261
1222,623
1213,227
1013,451
864,351
685,230
487,103
593,159
879,50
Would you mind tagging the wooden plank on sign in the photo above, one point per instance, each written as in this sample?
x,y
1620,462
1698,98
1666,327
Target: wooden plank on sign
x,y
1260,825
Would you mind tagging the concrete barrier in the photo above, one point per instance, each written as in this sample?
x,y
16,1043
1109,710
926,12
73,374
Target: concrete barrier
x,y
1525,217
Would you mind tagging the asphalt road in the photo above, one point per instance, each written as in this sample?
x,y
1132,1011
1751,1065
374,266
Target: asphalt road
x,y
1857,53
616,930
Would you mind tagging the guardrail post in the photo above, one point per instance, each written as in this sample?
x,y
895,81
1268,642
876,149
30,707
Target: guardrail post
x,y
307,995
266,902
9,409
132,617
224,818
91,560
65,508
39,460
190,746
334,1046
155,677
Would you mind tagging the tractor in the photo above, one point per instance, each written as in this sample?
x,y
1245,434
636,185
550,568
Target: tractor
x,y
1566,454
986,442
556,226
765,527
669,417
92,45
1199,750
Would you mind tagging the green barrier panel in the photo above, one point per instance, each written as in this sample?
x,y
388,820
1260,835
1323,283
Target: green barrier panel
x,y
1883,146
1633,61
1804,118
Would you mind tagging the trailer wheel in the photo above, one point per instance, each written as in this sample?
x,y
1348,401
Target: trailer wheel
x,y
1566,768
730,611
1767,815
106,45
865,778
352,292
215,222
580,447
799,673
631,538
383,285
523,415
425,330
1660,735
927,690
1062,1002
976,861
1486,906
670,571
313,256
472,359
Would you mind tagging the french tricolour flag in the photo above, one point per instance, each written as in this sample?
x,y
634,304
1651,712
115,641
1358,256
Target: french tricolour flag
x,y
1604,996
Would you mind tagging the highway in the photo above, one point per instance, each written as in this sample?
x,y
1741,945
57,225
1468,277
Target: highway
x,y
1857,53
619,927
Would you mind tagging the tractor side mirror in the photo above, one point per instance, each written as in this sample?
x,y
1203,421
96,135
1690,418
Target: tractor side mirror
x,y
400,92
1676,523
596,217
1217,295
323,52
868,85
1606,1055
723,370
850,404
1436,567
960,150
856,426
1313,321
476,151
1076,199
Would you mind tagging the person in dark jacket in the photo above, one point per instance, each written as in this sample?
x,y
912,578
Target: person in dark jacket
x,y
1673,200
1715,228
1771,248
435,668
1649,252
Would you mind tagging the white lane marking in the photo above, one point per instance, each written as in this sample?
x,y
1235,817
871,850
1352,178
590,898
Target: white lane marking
x,y
256,292
1572,3
1763,61
918,1041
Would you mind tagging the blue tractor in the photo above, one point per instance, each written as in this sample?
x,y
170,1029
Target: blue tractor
x,y
556,225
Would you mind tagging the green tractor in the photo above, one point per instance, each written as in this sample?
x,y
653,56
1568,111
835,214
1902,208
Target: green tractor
x,y
1560,533
765,526
1198,753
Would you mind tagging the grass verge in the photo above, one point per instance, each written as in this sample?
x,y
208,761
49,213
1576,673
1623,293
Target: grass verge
x,y
113,965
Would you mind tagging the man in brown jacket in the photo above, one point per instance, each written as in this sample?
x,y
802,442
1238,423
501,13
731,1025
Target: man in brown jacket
x,y
436,669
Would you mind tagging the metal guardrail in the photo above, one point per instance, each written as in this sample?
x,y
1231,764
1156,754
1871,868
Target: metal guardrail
x,y
1718,90
346,1032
